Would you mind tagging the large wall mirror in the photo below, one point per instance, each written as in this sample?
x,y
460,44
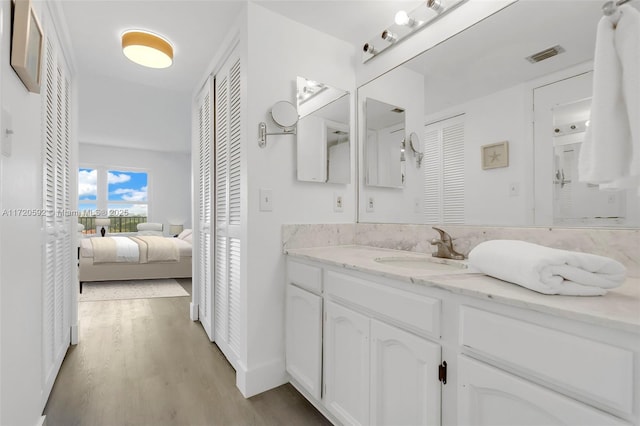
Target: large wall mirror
x,y
515,88
323,140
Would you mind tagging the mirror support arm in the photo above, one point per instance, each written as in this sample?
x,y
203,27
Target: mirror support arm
x,y
262,134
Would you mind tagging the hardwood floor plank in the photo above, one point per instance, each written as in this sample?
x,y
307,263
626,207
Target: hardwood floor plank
x,y
144,362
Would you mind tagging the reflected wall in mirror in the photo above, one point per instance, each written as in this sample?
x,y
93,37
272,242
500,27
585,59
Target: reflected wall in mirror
x,y
323,147
482,78
384,149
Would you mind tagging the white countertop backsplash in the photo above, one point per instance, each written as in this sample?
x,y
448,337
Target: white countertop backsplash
x,y
355,246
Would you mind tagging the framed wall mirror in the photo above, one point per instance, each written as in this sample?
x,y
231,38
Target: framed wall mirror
x,y
479,88
324,140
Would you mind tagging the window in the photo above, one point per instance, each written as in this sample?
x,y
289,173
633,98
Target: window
x,y
120,195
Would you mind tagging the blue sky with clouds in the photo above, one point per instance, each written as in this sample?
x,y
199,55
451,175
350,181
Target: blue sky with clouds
x,y
123,187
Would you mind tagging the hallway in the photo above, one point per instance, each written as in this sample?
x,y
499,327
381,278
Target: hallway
x,y
144,362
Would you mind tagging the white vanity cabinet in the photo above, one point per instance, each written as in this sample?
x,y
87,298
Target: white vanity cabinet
x,y
346,368
303,328
370,349
378,366
490,397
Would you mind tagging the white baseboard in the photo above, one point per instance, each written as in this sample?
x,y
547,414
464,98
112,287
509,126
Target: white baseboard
x,y
260,379
75,333
193,311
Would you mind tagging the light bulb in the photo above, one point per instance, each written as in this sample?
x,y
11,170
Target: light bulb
x,y
389,36
402,18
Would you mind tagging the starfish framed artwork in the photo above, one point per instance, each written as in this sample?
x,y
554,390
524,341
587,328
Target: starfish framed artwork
x,y
495,155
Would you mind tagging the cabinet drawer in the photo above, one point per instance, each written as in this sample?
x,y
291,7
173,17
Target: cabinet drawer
x,y
412,311
305,276
598,371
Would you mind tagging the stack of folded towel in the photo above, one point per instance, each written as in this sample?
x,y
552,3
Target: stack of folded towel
x,y
547,270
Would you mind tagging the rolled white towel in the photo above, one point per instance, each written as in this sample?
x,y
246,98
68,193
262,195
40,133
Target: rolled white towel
x,y
547,270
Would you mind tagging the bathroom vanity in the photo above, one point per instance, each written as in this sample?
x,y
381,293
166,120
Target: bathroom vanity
x,y
378,336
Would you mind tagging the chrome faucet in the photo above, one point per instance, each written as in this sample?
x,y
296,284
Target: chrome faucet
x,y
445,246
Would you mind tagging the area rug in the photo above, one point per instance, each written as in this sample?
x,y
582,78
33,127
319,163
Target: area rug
x,y
134,289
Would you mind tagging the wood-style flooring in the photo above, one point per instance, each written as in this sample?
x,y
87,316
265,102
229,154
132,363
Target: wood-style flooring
x,y
144,362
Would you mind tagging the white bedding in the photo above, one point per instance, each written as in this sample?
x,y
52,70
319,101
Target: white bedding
x,y
86,248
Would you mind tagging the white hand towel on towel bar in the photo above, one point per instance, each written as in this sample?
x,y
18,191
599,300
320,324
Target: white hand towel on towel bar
x,y
610,154
547,270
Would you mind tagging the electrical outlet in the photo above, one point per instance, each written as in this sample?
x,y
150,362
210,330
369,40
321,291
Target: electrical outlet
x,y
266,200
338,203
416,205
371,205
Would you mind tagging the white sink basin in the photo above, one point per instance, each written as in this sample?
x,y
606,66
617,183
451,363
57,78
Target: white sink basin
x,y
422,263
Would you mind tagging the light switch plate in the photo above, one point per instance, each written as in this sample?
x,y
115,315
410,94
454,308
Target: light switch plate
x,y
266,200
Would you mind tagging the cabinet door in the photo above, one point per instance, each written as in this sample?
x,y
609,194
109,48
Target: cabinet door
x,y
405,389
347,365
304,338
488,396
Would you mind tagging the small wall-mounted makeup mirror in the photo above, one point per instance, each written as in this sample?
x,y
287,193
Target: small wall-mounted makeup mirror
x,y
285,115
414,144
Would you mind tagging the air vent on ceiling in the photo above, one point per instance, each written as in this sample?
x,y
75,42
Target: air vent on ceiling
x,y
398,110
545,54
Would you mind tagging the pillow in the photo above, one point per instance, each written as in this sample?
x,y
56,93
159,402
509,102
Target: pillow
x,y
188,239
157,233
184,234
149,226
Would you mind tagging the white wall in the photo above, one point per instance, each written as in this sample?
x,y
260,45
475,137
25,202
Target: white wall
x,y
279,50
121,113
397,88
169,178
20,242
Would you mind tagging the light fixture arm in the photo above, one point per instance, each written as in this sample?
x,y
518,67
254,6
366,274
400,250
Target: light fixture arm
x,y
262,133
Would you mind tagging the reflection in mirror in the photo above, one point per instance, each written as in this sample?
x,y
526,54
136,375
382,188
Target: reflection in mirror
x,y
385,147
482,77
323,148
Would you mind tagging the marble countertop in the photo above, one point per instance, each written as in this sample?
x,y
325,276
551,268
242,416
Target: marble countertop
x,y
619,308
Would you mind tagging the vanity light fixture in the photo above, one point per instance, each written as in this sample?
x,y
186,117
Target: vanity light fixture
x,y
435,5
147,49
403,18
389,36
368,48
406,23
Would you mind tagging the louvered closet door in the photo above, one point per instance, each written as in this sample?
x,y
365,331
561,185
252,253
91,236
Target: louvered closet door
x,y
444,172
205,208
228,206
58,250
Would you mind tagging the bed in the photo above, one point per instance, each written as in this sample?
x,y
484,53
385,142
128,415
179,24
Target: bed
x,y
140,256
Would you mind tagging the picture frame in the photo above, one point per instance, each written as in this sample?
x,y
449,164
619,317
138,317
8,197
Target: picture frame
x,y
27,45
495,155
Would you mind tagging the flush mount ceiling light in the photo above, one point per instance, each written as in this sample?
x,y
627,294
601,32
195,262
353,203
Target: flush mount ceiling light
x,y
147,49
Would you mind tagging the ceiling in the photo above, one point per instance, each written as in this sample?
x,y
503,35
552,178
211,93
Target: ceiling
x,y
196,28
